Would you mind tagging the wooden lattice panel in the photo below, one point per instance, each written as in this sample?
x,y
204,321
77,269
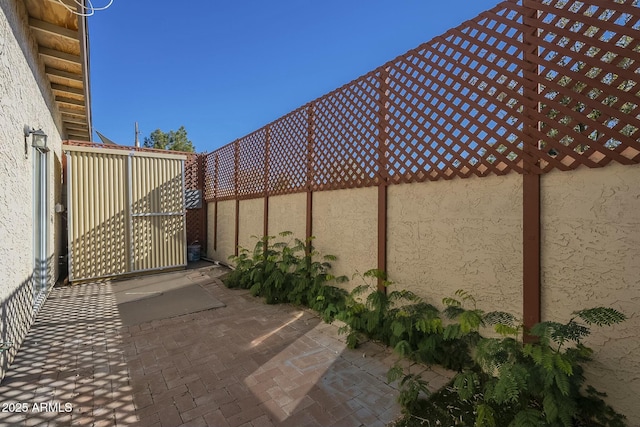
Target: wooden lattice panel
x,y
225,180
210,175
589,77
287,153
528,86
193,173
345,136
251,164
455,103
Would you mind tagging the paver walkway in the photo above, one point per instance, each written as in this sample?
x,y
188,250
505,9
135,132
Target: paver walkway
x,y
245,364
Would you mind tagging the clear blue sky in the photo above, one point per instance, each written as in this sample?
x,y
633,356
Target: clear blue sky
x,y
225,69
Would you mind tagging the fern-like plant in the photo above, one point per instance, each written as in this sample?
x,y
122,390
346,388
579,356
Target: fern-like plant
x,y
540,382
412,386
288,271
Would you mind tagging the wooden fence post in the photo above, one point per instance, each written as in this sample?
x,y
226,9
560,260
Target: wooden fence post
x,y
310,141
531,280
383,175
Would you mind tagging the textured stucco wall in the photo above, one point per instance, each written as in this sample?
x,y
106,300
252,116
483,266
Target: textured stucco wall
x,y
225,230
458,234
345,225
591,257
288,213
251,221
25,99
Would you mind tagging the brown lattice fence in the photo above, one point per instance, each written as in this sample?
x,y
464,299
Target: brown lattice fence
x,y
527,86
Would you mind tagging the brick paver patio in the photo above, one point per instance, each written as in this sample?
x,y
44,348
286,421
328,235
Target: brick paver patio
x,y
245,364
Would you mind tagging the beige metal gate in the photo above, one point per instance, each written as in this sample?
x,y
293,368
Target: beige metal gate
x,y
126,212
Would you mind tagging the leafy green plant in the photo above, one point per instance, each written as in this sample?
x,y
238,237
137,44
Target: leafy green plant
x,y
411,387
539,382
376,314
288,272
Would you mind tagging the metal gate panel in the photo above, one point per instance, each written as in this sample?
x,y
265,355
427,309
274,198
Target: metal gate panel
x,y
97,215
157,213
126,212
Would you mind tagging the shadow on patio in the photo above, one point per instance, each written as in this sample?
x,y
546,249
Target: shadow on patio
x,y
245,364
71,366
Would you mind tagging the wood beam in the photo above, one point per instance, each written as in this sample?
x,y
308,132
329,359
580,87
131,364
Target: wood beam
x,y
50,71
311,140
382,142
75,120
237,227
69,100
75,127
265,216
531,230
77,137
54,30
67,89
236,146
215,195
72,112
531,291
72,135
61,56
70,3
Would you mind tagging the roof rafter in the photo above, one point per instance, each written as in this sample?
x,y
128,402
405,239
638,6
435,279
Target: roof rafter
x,y
67,89
54,72
70,100
62,56
53,29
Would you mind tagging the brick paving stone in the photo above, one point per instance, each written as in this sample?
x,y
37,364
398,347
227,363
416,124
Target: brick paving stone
x,y
323,416
196,412
262,421
248,403
215,419
184,403
349,420
148,423
182,380
229,409
243,417
169,416
196,388
298,405
148,412
274,410
245,364
301,419
196,422
160,397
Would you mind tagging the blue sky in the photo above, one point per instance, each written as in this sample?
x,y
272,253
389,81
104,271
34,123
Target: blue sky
x,y
225,69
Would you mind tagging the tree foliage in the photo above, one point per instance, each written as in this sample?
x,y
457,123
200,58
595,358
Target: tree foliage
x,y
172,140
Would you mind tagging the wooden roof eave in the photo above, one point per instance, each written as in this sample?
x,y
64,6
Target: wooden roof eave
x,y
63,47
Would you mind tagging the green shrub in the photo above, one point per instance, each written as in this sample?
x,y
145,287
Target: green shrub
x,y
506,381
542,381
288,272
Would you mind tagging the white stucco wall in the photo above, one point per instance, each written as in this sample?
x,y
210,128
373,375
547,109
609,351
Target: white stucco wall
x,y
25,99
591,257
251,222
288,212
345,225
458,234
225,230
